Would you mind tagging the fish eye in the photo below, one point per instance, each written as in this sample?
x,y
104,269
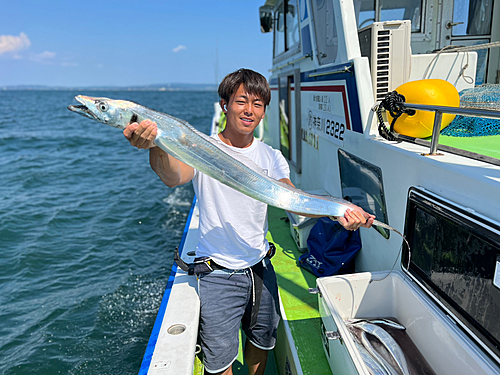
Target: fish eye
x,y
103,106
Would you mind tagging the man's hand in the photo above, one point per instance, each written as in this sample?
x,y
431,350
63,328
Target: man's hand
x,y
353,219
141,135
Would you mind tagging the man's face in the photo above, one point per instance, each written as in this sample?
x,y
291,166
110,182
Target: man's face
x,y
244,111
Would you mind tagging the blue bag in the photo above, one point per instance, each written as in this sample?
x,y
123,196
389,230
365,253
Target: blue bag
x,y
331,249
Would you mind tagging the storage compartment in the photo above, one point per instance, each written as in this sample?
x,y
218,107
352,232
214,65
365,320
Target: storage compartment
x,y
300,227
447,296
443,344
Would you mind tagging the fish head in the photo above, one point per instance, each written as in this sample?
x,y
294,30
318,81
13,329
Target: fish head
x,y
115,113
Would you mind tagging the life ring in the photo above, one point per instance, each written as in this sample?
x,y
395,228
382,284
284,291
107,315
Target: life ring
x,y
429,92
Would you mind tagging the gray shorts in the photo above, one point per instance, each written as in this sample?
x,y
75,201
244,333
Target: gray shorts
x,y
226,301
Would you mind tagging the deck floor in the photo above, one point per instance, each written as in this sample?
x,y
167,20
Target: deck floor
x,y
301,307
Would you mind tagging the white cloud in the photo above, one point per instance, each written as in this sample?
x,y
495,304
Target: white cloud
x,y
44,57
11,43
180,47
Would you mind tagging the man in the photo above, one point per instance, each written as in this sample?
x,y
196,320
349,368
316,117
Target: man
x,y
239,284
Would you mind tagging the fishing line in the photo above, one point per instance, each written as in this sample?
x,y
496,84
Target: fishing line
x,y
386,226
397,257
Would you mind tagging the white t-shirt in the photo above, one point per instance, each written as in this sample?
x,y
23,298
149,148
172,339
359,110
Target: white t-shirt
x,y
233,226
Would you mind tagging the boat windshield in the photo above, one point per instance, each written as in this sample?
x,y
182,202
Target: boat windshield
x,y
389,10
286,27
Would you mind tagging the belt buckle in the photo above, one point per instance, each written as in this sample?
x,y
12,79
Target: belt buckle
x,y
272,250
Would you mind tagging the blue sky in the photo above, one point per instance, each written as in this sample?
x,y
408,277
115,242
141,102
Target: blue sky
x,y
122,43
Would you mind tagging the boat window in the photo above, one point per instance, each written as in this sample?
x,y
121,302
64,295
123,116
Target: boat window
x,y
279,31
286,27
456,254
390,10
362,185
326,31
472,17
285,89
292,25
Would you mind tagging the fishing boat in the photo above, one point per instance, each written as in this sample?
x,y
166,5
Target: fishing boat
x,y
336,64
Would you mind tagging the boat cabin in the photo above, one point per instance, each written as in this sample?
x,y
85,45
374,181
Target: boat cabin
x,y
335,66
333,63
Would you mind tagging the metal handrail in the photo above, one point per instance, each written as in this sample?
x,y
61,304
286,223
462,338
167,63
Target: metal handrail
x,y
438,116
345,69
291,62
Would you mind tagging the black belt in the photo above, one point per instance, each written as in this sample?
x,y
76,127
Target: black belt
x,y
202,265
206,264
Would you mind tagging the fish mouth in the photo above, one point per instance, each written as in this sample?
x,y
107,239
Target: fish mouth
x,y
82,109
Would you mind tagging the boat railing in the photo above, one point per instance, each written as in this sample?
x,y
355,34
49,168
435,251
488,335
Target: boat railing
x,y
438,116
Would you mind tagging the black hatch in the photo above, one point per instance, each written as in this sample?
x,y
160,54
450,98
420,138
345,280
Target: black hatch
x,y
455,254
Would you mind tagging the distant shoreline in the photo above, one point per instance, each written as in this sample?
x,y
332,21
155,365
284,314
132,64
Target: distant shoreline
x,y
159,87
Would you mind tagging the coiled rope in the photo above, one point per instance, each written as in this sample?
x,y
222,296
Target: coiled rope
x,y
390,103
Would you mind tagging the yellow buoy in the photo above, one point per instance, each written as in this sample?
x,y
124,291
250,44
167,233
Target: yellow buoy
x,y
429,92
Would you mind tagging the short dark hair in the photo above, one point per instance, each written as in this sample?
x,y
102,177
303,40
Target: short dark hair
x,y
253,82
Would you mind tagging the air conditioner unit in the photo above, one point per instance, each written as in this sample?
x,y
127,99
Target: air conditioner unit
x,y
387,46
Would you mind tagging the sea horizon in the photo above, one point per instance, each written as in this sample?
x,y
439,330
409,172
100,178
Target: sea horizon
x,y
151,87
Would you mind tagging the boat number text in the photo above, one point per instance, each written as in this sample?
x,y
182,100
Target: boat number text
x,y
324,125
335,130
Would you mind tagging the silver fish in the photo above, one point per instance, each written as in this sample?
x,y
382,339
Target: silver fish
x,y
372,360
374,352
201,152
387,341
386,322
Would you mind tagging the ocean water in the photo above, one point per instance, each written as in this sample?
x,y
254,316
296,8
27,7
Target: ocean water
x,y
87,233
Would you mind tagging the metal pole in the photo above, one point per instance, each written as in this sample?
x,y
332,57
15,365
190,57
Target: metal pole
x,y
471,112
438,116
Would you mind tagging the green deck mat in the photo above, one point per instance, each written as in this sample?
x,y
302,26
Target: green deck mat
x,y
301,307
488,145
